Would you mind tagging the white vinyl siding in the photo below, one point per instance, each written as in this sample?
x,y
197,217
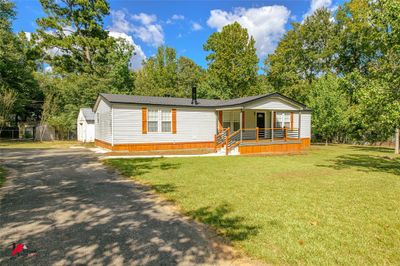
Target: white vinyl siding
x,y
193,125
272,104
103,122
305,131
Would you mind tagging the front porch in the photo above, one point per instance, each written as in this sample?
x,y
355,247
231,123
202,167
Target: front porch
x,y
261,130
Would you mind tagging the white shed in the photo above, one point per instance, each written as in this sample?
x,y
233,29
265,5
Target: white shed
x,y
85,125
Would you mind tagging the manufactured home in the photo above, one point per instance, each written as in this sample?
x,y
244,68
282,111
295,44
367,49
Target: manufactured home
x,y
85,125
255,124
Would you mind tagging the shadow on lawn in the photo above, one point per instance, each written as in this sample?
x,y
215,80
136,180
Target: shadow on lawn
x,y
373,149
164,188
231,227
140,166
366,163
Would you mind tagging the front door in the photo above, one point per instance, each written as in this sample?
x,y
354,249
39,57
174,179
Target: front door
x,y
261,124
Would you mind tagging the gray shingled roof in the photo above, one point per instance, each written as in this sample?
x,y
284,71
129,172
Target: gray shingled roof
x,y
186,102
88,114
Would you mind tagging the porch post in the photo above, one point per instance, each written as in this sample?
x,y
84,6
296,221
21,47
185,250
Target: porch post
x,y
241,124
272,126
299,125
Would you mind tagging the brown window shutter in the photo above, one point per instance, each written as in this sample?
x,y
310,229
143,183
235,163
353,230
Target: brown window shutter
x,y
173,121
291,120
274,120
144,120
220,121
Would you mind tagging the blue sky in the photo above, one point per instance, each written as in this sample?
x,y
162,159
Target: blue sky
x,y
186,25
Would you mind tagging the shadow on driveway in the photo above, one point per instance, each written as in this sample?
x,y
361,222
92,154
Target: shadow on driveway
x,y
73,210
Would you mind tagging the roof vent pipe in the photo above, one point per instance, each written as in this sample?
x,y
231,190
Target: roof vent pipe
x,y
194,95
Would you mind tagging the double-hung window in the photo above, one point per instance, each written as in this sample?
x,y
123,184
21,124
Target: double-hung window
x,y
152,121
282,120
166,120
231,119
159,120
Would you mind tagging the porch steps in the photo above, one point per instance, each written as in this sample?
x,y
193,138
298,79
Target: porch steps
x,y
222,151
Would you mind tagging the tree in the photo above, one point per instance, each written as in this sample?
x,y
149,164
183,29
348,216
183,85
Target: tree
x,y
368,57
16,66
189,74
84,59
165,75
232,62
306,52
329,105
7,100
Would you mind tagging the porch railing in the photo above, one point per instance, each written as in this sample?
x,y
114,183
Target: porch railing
x,y
254,135
220,138
233,141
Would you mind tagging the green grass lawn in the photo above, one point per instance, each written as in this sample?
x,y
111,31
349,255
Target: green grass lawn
x,y
41,145
334,205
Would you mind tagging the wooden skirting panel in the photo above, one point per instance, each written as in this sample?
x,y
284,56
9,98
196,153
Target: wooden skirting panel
x,y
163,146
284,147
102,144
305,143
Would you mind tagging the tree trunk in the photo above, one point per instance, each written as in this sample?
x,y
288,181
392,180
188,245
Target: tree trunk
x,y
326,142
397,142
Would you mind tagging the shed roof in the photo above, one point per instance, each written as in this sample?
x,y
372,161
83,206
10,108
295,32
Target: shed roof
x,y
88,114
187,102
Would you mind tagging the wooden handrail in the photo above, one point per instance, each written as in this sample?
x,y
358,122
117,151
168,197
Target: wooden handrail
x,y
234,133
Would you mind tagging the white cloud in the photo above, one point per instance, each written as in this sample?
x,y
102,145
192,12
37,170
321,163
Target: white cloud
x,y
119,22
196,26
144,18
174,18
151,34
266,24
178,17
317,4
138,57
146,27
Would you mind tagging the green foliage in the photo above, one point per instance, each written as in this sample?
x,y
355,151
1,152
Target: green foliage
x,y
361,48
165,75
232,62
84,59
305,52
7,99
329,105
16,66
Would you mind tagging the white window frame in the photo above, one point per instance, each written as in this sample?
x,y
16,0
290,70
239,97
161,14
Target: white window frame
x,y
282,117
162,120
229,117
159,120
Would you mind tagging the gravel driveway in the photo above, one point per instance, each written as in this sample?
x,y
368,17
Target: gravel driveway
x,y
73,210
